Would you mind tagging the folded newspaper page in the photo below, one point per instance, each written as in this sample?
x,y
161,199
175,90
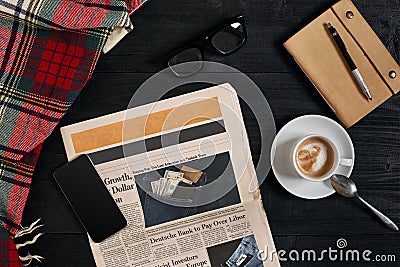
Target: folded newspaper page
x,y
181,172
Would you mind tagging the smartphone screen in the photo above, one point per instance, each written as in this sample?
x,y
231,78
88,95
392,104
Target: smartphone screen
x,y
90,199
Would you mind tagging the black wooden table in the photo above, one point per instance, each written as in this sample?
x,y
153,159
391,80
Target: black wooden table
x,y
298,224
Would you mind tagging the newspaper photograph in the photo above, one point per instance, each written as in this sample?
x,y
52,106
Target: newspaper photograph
x,y
181,172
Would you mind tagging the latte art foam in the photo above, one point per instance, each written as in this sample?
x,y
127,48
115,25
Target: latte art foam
x,y
314,157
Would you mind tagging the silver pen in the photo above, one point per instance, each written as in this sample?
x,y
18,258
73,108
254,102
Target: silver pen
x,y
354,70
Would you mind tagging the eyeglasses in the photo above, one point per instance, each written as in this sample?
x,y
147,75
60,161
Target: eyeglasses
x,y
224,40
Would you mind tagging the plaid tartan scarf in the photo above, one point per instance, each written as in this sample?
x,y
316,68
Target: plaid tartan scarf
x,y
48,51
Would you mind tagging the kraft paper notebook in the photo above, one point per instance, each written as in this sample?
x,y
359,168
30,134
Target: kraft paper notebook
x,y
316,53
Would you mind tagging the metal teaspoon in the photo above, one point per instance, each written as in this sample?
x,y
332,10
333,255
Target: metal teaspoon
x,y
347,188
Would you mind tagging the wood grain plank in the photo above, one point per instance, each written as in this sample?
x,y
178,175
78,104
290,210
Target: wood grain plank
x,y
160,29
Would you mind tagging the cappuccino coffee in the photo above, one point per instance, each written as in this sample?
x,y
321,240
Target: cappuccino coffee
x,y
314,157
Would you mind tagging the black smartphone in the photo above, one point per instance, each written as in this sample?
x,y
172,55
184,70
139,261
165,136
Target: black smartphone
x,y
89,198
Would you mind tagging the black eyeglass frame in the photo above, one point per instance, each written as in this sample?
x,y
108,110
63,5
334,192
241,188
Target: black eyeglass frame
x,y
205,41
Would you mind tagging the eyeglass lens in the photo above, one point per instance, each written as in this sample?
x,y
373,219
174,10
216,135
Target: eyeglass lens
x,y
227,40
188,55
230,38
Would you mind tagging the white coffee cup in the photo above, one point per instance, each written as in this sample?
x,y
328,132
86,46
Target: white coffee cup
x,y
337,160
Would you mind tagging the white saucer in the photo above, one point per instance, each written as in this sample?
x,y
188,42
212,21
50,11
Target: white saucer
x,y
284,141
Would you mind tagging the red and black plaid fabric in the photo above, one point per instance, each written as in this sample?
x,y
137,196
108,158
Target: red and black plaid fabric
x,y
48,51
8,252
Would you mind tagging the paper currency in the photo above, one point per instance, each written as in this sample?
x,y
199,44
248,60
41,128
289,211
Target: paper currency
x,y
170,188
173,175
165,186
155,186
179,176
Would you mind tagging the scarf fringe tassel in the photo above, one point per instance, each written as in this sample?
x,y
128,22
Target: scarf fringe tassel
x,y
27,260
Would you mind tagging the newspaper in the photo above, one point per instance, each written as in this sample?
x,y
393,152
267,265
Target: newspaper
x,y
181,172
